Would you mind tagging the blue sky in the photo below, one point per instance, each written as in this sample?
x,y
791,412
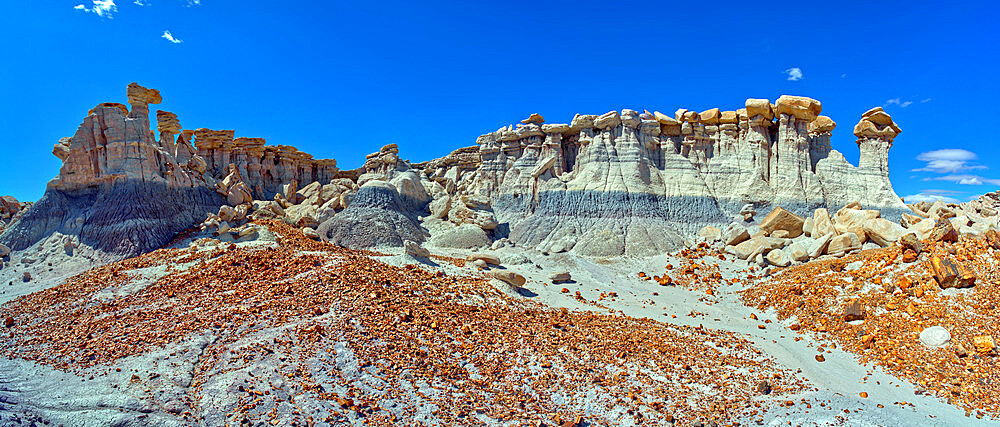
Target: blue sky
x,y
341,79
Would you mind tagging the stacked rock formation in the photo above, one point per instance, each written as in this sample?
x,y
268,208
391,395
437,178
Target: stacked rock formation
x,y
620,183
638,183
123,192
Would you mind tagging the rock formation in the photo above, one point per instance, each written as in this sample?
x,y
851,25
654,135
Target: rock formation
x,y
620,183
123,192
638,184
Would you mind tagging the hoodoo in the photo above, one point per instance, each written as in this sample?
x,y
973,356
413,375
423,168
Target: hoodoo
x,y
619,183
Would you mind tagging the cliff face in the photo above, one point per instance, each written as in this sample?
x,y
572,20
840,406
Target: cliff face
x,y
122,191
618,183
637,183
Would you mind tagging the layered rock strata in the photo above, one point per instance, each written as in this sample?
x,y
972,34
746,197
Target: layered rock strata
x,y
620,183
122,191
638,183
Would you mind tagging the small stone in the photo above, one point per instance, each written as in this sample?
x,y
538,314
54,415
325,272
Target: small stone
x,y
952,274
983,343
909,256
992,238
944,231
310,233
414,249
8,322
561,276
26,277
509,277
487,258
820,358
481,264
854,311
935,336
763,387
912,242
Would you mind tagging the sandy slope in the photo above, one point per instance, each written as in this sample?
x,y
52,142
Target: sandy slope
x,y
157,387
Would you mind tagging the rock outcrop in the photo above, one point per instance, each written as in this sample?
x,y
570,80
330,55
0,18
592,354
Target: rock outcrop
x,y
638,184
123,192
620,183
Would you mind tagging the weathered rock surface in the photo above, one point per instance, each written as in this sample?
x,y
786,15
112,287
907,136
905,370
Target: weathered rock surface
x,y
624,183
620,183
375,218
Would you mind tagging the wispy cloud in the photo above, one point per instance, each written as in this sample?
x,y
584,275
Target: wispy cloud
x,y
948,160
898,102
794,74
103,8
843,76
965,179
925,100
171,38
141,2
193,3
932,196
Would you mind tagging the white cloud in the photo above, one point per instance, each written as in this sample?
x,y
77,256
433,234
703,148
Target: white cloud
x,y
928,196
898,102
965,179
948,160
843,76
194,3
794,74
925,100
103,8
141,2
168,36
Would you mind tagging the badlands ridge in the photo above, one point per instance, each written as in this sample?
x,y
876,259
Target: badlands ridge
x,y
694,268
620,183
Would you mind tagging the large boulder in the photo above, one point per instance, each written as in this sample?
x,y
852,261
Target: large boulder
x,y
466,236
735,234
797,252
818,246
375,218
778,257
850,220
882,231
781,219
822,223
843,244
755,246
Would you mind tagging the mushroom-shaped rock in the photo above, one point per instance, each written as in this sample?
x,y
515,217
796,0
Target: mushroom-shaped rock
x,y
665,119
534,118
759,107
822,124
138,95
679,114
710,116
608,120
61,148
167,122
799,106
876,123
555,128
583,121
728,117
